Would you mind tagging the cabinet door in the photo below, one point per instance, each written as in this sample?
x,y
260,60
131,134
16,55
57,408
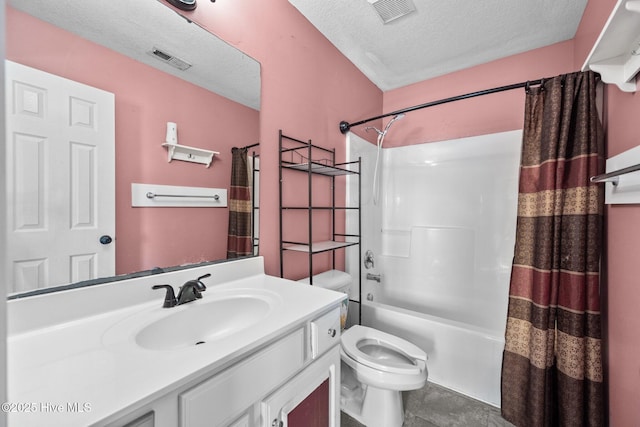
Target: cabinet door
x,y
313,411
311,399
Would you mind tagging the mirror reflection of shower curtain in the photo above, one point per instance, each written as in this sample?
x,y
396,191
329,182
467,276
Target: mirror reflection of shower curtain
x,y
239,240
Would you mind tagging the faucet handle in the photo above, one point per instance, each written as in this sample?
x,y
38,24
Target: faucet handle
x,y
169,298
191,290
199,285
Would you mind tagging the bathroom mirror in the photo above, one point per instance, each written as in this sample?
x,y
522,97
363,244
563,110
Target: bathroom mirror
x,y
76,39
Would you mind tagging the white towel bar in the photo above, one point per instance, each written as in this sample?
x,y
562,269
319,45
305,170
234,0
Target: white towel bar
x,y
613,177
152,195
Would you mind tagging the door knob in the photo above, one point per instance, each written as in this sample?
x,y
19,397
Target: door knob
x,y
105,240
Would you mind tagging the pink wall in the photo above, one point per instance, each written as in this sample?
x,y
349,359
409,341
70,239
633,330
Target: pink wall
x,y
621,291
292,54
623,286
497,112
308,87
148,237
504,111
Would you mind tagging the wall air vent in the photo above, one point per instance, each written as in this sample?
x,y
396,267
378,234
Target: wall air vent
x,y
390,10
174,61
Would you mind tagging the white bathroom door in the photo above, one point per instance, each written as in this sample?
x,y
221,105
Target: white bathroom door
x,y
60,142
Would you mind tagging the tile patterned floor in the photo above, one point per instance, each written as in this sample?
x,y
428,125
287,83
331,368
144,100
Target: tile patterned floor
x,y
435,406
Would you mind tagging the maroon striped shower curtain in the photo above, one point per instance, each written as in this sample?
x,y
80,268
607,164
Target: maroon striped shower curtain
x,y
239,241
552,367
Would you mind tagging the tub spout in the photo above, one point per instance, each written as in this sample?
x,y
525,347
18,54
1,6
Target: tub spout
x,y
375,277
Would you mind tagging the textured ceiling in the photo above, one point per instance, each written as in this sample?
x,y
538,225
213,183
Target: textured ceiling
x,y
442,36
133,28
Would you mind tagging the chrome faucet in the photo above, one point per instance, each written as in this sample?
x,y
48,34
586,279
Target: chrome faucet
x,y
190,291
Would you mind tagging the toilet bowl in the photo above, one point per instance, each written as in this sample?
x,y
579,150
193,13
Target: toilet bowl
x,y
376,366
383,366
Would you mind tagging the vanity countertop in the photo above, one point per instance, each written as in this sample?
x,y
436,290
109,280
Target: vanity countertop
x,y
80,372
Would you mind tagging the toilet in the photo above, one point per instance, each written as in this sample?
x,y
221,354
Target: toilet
x,y
376,366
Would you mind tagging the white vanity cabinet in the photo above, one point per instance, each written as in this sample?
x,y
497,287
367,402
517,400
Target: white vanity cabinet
x,y
292,381
233,371
312,398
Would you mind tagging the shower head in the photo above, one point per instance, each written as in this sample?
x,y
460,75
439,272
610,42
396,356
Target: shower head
x,y
382,133
368,128
396,117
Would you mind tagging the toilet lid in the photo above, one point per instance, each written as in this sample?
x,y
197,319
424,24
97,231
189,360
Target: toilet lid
x,y
383,351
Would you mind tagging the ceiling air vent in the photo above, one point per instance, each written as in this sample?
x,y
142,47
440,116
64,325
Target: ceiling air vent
x,y
174,61
390,10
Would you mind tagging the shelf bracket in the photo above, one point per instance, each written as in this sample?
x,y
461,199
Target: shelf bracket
x,y
616,53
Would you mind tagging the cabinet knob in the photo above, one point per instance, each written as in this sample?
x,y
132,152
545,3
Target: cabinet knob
x,y
332,332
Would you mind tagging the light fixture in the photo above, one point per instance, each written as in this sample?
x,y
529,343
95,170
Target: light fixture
x,y
183,4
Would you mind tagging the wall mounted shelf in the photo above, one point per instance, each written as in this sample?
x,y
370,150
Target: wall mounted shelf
x,y
189,154
616,53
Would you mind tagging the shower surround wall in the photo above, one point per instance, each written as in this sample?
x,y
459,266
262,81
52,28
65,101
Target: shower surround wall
x,y
443,236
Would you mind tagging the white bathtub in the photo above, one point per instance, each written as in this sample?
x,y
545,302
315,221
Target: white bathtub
x,y
461,357
442,235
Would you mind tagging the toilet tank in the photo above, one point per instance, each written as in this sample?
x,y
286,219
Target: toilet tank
x,y
335,280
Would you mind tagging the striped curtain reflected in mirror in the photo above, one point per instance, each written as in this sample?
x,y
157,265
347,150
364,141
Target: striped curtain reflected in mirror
x,y
552,366
239,241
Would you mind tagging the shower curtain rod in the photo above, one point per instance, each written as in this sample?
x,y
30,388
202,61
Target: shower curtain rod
x,y
346,126
246,147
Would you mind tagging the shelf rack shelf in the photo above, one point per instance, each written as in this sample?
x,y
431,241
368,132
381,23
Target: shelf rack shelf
x,y
297,156
318,168
316,247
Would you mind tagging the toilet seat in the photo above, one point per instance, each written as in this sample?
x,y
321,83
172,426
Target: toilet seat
x,y
416,358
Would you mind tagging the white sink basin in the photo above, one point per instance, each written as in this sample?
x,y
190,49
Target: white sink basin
x,y
216,316
197,324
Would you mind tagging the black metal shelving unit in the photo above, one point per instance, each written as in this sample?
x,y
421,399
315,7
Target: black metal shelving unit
x,y
255,205
297,157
